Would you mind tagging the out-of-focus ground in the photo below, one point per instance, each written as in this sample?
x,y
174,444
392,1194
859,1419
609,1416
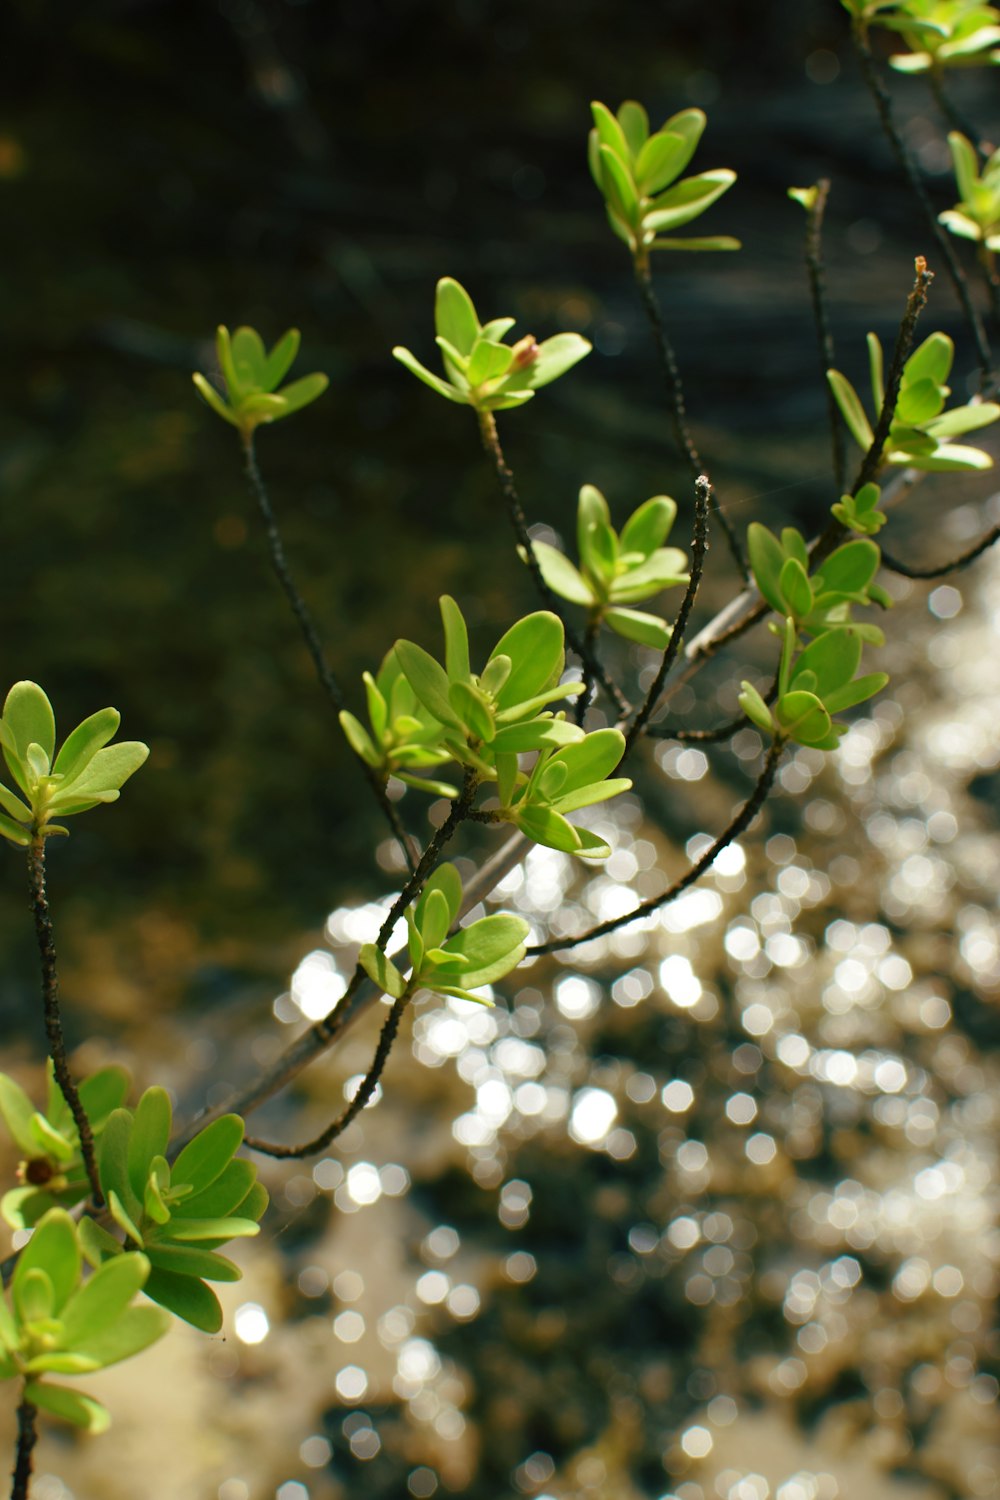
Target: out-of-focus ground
x,y
709,1210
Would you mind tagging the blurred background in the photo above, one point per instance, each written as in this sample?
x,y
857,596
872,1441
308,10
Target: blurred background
x,y
706,1211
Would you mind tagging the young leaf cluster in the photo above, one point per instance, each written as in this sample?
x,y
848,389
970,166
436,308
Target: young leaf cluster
x,y
482,370
58,1324
615,570
403,736
860,512
921,428
812,688
252,377
51,1172
178,1215
976,216
824,600
471,957
87,770
943,34
637,173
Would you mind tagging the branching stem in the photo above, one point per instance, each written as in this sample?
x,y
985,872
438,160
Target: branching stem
x,y
27,1436
742,820
52,1013
675,394
963,559
824,332
327,678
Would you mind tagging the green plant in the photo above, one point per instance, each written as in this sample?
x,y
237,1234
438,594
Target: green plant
x,y
252,377
940,33
976,216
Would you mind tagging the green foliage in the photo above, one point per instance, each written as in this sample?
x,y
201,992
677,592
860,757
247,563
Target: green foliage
x,y
403,736
858,512
920,430
482,370
823,601
51,1170
178,1215
562,780
56,1323
813,687
252,377
942,33
473,956
617,571
637,173
87,770
976,216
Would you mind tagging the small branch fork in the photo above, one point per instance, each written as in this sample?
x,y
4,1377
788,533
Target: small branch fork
x,y
824,332
27,1436
742,820
699,547
678,407
907,570
310,635
883,105
515,511
51,1011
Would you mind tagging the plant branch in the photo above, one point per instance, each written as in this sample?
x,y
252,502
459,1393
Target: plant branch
x,y
742,820
675,393
961,561
310,635
883,105
52,1013
707,736
824,332
368,1086
515,511
27,1436
590,635
953,116
699,547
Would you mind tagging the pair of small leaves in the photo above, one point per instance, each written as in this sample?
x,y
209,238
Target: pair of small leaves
x,y
944,34
618,570
482,370
637,173
471,957
977,214
813,687
57,1323
860,512
403,736
252,377
52,1170
86,772
563,779
921,428
824,600
178,1215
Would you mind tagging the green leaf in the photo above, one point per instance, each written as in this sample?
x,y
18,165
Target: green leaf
x,y
833,657
249,359
209,394
618,186
587,796
648,527
948,459
85,741
755,708
766,560
14,832
547,827
53,1249
207,1156
150,1136
113,1160
382,971
590,845
690,124
300,393
223,1196
359,739
133,1330
856,692
455,316
106,771
187,1298
553,357
125,1221
492,947
516,739
851,409
411,363
18,1111
34,1296
704,242
27,713
456,638
804,196
850,568
560,574
255,1202
530,706
687,200
931,361
919,402
592,759
71,1406
963,419
875,372
186,1260
228,1228
663,569
634,625
102,1092
428,680
662,158
488,361
537,654
435,919
102,1299
428,784
634,122
96,1243
609,132
796,590
281,359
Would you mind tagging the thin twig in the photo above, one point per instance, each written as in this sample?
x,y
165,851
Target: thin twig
x,y
368,1086
699,547
678,406
515,512
310,635
590,635
27,1436
824,332
51,1011
961,561
707,736
883,106
741,821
